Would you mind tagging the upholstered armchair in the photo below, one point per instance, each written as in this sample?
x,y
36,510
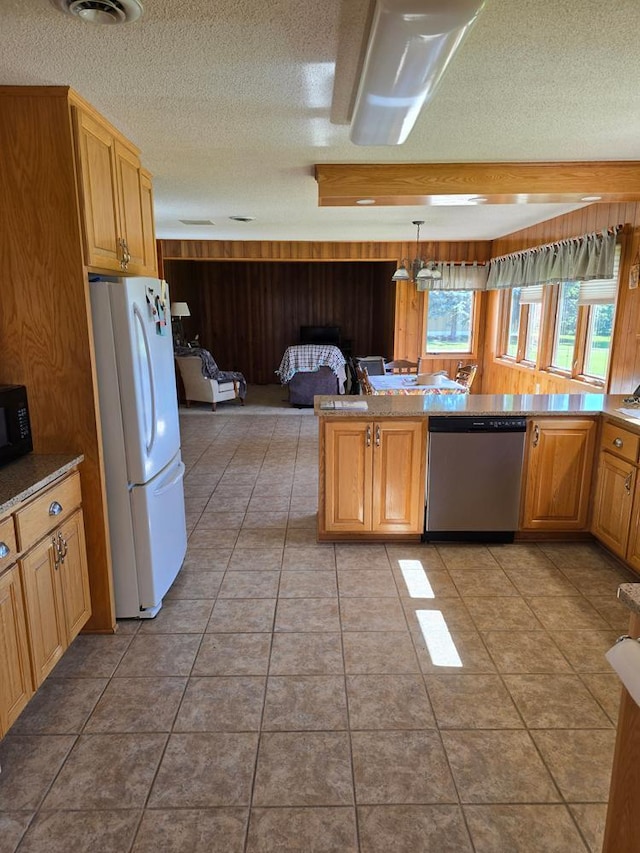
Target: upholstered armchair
x,y
200,389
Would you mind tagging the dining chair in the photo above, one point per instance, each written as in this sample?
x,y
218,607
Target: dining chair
x,y
363,379
373,363
401,365
465,374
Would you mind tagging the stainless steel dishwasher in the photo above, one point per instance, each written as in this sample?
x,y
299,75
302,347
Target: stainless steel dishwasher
x,y
474,471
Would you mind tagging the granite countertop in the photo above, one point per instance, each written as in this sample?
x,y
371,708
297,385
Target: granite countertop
x,y
398,406
629,594
26,476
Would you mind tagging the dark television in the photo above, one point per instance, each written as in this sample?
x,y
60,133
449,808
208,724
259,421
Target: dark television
x,y
320,335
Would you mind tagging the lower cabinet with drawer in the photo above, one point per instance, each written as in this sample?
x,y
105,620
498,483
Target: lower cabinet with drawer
x,y
44,594
56,593
617,499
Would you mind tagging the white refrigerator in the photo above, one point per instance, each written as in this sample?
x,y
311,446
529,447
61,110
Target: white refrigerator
x,y
141,439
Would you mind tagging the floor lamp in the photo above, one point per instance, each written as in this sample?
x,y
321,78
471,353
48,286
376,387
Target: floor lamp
x,y
178,311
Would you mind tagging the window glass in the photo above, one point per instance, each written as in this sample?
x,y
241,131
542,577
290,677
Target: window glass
x,y
514,323
566,324
449,321
599,334
533,332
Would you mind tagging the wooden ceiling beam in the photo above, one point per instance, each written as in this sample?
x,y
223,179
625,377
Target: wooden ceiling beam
x,y
499,183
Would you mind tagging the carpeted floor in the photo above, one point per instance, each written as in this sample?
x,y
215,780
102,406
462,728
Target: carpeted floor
x,y
260,400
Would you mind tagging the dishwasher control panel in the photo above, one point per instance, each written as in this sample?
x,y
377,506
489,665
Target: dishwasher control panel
x,y
479,424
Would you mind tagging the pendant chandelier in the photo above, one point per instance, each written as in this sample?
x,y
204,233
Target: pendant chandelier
x,y
417,269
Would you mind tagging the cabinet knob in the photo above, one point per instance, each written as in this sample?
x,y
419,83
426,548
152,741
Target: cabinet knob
x,y
55,508
536,435
368,435
4,550
618,442
627,483
377,435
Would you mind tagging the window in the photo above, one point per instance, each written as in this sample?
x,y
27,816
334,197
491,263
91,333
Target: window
x,y
570,333
522,311
449,321
532,337
513,334
564,338
599,335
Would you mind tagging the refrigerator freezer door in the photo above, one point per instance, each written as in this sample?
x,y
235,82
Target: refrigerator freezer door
x,y
146,376
157,510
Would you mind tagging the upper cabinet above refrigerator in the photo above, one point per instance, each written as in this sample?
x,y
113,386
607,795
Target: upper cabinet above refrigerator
x,y
116,199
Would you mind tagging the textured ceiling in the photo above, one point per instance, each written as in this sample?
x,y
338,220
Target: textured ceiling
x,y
230,102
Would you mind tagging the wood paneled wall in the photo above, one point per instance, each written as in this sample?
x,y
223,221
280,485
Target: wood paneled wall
x,y
247,314
495,376
503,378
391,324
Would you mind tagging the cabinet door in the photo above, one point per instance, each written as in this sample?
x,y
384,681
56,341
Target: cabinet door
x,y
613,502
98,197
15,672
558,473
633,547
73,575
45,612
347,476
130,204
398,477
150,252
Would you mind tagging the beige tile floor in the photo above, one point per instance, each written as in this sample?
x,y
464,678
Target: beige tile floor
x,y
292,696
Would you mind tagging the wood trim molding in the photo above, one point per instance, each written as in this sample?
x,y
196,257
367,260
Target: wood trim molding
x,y
499,183
302,250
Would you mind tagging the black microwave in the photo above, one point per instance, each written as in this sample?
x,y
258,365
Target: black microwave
x,y
15,427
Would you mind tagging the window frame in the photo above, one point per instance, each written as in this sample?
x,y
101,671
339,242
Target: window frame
x,y
523,330
472,353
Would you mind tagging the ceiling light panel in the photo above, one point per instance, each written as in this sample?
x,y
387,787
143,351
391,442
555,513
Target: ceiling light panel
x,y
411,43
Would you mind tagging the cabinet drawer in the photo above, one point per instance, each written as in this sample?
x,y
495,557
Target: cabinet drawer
x,y
620,441
47,511
8,539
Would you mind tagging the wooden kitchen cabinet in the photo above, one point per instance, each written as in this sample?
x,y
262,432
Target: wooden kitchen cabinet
x,y
616,504
557,473
56,593
613,502
60,216
44,607
372,478
148,227
115,200
72,570
15,669
54,572
44,593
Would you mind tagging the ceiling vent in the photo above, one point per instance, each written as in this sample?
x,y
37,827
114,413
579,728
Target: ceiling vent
x,y
101,11
196,222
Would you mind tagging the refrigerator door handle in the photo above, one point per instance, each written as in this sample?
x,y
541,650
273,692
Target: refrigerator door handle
x,y
152,391
166,485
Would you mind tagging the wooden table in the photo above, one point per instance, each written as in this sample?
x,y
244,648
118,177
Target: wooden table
x,y
403,384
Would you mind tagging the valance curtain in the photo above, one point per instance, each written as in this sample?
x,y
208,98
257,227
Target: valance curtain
x,y
577,259
461,276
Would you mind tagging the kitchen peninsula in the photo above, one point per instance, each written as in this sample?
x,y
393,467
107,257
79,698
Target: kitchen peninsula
x,y
581,456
